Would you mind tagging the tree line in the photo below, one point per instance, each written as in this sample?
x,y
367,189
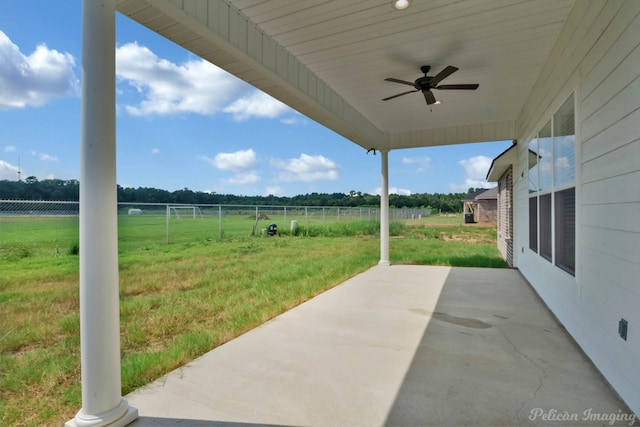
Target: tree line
x,y
69,190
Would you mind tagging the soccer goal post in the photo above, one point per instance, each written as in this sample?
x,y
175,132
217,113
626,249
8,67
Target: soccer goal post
x,y
183,212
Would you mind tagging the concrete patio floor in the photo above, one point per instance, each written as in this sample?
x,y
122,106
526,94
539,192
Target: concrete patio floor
x,y
396,346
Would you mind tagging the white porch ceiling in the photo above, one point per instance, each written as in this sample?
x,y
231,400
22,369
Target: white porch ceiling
x,y
329,58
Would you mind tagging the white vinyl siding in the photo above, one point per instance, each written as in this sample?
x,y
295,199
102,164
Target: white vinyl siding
x,y
597,57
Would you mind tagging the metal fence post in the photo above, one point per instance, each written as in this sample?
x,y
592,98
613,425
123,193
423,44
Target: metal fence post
x,y
168,217
220,222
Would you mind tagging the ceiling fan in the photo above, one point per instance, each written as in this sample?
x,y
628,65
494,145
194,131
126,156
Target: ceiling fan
x,y
427,83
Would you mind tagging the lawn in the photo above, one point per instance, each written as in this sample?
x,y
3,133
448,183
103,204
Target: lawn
x,y
179,300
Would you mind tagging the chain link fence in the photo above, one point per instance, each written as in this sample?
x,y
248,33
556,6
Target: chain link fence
x,y
28,227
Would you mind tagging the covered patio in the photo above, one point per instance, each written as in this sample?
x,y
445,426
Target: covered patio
x,y
397,346
443,350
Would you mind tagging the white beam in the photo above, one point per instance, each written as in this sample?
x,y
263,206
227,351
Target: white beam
x,y
461,134
102,402
384,209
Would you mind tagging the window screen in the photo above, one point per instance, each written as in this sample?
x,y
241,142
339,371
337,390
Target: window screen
x,y
533,224
565,216
545,226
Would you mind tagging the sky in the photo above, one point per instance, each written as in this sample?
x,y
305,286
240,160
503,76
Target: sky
x,y
184,123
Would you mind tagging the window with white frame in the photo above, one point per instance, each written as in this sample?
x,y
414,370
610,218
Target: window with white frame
x,y
552,200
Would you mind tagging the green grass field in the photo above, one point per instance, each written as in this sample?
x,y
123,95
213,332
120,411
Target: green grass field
x,y
41,235
179,300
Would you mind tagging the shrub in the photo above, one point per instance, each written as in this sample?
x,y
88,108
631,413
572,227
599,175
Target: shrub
x,y
16,252
74,249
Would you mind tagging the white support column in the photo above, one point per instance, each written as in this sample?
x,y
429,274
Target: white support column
x,y
384,209
102,401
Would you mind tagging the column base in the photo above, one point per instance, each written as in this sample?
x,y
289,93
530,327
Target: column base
x,y
383,262
120,416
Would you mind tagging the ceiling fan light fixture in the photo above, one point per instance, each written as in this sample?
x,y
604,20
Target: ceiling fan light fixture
x,y
400,4
438,102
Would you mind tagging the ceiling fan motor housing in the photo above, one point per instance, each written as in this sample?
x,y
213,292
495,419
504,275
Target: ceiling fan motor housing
x,y
423,83
426,83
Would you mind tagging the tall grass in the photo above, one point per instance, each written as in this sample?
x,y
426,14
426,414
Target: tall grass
x,y
179,301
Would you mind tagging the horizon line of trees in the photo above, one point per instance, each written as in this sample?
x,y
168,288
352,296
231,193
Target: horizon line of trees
x,y
69,190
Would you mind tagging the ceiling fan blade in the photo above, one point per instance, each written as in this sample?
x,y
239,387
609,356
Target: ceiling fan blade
x,y
442,75
428,96
400,94
459,87
404,82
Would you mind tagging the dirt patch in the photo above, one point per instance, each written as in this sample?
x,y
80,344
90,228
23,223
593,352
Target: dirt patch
x,y
462,238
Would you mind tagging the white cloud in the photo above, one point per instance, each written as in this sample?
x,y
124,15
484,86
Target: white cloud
x,y
237,161
9,149
399,191
476,169
274,190
31,80
8,171
562,163
44,156
306,168
242,162
393,190
195,86
258,104
290,120
243,178
155,150
47,158
422,163
470,183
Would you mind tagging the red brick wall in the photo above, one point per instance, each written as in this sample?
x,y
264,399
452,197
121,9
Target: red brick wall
x,y
505,216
